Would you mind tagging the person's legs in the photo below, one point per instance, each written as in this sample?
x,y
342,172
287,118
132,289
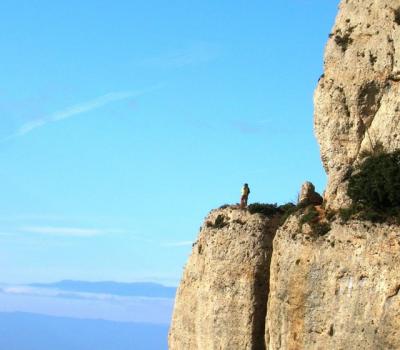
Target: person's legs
x,y
242,202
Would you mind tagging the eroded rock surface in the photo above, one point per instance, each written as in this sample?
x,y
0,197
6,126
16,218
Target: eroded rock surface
x,y
339,291
357,104
221,301
308,195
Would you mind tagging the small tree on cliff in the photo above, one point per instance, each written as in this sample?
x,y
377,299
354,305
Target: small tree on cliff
x,y
376,185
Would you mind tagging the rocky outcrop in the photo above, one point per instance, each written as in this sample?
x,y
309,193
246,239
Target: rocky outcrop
x,y
221,301
308,196
339,291
357,105
329,285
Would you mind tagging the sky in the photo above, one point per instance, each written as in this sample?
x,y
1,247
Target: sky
x,y
123,123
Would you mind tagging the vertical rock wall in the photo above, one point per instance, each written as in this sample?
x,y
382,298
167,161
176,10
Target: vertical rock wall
x,y
339,291
221,301
357,104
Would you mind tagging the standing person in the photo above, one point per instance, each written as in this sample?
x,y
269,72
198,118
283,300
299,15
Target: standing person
x,y
245,196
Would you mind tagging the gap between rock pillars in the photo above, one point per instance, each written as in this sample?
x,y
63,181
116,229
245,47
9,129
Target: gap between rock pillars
x,y
261,285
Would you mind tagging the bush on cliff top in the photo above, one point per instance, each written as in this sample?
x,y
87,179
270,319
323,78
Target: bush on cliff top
x,y
377,184
311,216
375,188
269,209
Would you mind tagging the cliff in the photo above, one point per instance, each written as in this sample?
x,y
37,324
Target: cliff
x,y
221,301
318,283
357,99
338,291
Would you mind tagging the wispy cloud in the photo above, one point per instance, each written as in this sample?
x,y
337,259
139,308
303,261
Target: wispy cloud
x,y
189,56
64,231
178,244
80,108
58,293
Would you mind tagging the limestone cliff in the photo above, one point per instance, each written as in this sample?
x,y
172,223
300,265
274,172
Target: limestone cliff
x,y
248,286
221,301
357,104
339,291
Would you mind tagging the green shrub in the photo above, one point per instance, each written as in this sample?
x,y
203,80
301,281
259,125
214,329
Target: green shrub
x,y
310,215
262,208
376,185
375,189
367,214
372,215
346,214
289,209
271,209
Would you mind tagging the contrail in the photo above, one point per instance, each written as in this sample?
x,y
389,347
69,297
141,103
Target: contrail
x,y
79,109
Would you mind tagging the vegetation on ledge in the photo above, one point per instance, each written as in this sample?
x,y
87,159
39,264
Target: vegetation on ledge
x,y
375,189
270,209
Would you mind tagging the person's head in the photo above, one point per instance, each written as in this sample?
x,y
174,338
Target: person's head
x,y
246,185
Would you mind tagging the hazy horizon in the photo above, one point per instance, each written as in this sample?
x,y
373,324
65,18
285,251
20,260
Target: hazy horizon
x,y
26,331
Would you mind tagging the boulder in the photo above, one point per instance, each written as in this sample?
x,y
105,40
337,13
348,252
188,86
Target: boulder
x,y
308,196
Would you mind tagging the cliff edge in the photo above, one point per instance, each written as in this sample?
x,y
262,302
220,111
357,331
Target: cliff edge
x,y
221,301
316,281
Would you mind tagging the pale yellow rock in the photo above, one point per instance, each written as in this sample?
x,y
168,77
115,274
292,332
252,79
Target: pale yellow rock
x,y
339,291
357,102
336,292
308,195
221,300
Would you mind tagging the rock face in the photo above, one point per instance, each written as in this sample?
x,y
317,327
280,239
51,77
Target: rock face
x,y
357,105
308,195
339,291
329,285
221,301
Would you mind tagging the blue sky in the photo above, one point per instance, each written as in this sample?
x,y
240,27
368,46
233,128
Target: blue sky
x,y
125,122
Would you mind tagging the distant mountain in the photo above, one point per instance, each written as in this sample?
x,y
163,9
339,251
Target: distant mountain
x,y
23,331
152,290
119,302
